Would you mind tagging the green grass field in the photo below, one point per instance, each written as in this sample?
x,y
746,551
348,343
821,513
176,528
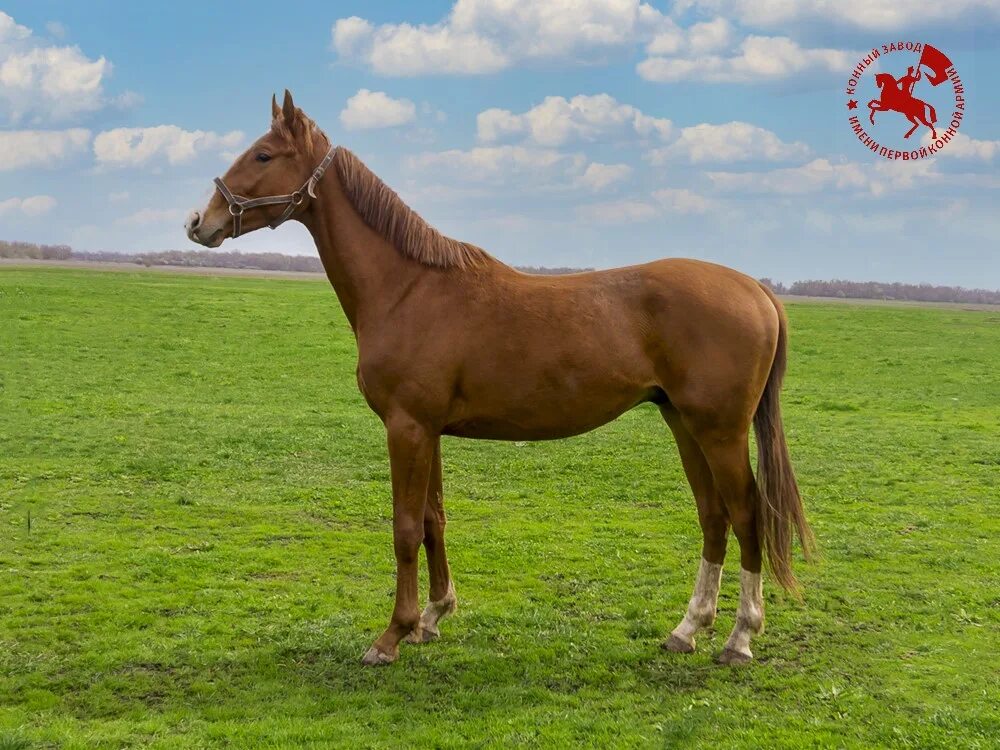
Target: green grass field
x,y
195,542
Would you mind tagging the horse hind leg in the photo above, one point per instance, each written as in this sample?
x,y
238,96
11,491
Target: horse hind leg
x,y
916,125
714,522
728,456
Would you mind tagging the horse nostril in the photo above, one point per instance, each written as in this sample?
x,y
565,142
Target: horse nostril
x,y
195,220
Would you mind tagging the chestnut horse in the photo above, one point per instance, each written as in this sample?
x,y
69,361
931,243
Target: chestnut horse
x,y
453,342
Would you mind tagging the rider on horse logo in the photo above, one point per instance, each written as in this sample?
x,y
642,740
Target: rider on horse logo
x,y
896,95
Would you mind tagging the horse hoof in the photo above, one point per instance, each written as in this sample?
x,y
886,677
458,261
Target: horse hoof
x,y
733,658
422,635
429,634
678,645
376,658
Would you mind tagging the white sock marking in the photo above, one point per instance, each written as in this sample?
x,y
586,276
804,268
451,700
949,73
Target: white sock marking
x,y
750,616
701,608
435,611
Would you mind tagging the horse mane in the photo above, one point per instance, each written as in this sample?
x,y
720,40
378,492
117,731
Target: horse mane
x,y
384,211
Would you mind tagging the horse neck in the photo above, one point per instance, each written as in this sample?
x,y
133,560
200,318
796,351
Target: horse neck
x,y
368,274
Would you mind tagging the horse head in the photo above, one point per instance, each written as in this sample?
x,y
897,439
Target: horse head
x,y
274,177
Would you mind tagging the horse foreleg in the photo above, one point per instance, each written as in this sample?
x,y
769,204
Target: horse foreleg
x,y
701,609
442,600
411,453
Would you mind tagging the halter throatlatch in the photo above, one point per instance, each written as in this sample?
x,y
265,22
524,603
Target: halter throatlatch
x,y
238,204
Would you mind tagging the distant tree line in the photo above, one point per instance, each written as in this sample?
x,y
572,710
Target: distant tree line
x,y
556,270
30,250
210,259
196,258
189,258
306,263
886,291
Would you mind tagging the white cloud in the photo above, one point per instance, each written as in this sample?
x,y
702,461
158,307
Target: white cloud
x,y
406,50
558,120
890,176
351,36
709,36
818,174
757,59
119,197
11,31
881,15
376,109
485,36
36,205
127,100
56,29
428,110
682,201
499,164
153,216
661,202
698,39
135,147
597,176
962,146
42,82
618,212
40,148
821,174
730,142
497,124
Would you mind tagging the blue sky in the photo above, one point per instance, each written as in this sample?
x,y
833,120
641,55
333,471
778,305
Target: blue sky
x,y
576,133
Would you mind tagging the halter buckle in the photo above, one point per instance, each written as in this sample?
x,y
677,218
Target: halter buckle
x,y
235,209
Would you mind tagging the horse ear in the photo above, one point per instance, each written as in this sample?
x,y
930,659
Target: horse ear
x,y
288,109
275,109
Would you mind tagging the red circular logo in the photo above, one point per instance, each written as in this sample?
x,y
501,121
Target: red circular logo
x,y
910,100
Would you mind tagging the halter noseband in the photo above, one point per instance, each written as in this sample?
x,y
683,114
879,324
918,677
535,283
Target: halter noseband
x,y
238,204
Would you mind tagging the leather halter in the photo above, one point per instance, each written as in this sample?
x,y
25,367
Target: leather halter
x,y
238,204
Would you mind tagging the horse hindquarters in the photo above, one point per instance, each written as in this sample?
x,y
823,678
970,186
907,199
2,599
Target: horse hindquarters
x,y
733,379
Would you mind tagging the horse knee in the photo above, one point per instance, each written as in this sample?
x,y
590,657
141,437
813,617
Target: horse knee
x,y
407,538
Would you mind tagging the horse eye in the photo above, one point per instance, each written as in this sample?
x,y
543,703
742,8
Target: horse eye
x,y
263,157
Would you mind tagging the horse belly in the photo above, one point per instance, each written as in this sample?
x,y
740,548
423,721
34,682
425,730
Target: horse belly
x,y
545,408
502,428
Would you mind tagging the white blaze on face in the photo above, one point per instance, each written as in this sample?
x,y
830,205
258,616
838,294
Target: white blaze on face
x,y
750,616
701,608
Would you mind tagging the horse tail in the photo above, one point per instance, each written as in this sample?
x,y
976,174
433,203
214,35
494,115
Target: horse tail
x,y
780,507
933,113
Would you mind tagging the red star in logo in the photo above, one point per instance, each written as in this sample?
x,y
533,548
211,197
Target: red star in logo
x,y
852,104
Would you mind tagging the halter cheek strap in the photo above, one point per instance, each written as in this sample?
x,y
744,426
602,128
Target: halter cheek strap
x,y
238,204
